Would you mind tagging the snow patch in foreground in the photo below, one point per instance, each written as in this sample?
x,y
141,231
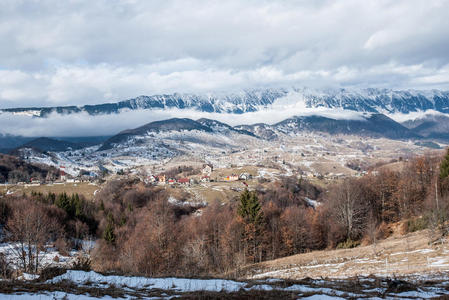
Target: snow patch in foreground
x,y
170,283
172,287
50,295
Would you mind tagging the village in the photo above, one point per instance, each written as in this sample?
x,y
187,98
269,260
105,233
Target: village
x,y
207,174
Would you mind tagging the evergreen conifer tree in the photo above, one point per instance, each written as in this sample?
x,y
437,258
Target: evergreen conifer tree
x,y
444,167
249,208
251,214
243,205
63,201
108,234
78,207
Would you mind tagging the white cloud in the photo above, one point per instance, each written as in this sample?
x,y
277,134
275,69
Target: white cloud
x,y
79,52
416,115
83,124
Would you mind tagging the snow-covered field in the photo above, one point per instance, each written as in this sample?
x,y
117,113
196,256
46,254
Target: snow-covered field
x,y
86,285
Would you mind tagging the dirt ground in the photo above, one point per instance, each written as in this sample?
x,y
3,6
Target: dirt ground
x,y
413,253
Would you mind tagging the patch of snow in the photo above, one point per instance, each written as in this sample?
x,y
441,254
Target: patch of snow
x,y
26,276
442,262
170,283
418,294
312,203
47,258
424,251
51,295
321,297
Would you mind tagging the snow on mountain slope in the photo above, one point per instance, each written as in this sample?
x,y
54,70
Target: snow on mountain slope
x,y
265,131
155,128
431,126
363,100
374,125
223,128
366,124
175,142
245,101
152,143
376,100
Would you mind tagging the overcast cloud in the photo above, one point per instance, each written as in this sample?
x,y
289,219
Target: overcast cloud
x,y
86,52
83,124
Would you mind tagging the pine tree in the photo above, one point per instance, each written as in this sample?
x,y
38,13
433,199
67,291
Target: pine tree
x,y
63,201
243,205
250,212
444,167
108,234
249,208
101,205
51,198
78,207
71,207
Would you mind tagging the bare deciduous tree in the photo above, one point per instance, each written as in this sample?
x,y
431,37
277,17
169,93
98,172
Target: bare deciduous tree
x,y
31,228
349,208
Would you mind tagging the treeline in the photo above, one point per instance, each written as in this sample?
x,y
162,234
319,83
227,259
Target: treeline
x,y
181,170
14,169
80,219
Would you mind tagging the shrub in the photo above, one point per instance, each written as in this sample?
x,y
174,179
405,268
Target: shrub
x,y
82,263
51,272
417,224
5,270
348,244
383,231
62,246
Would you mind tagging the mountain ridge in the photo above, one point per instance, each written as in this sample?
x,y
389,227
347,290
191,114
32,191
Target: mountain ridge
x,y
372,125
173,124
371,100
44,144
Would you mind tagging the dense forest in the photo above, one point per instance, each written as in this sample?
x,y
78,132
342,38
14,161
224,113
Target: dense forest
x,y
14,170
138,231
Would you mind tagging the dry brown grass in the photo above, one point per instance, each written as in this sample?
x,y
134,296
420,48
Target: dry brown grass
x,y
396,255
83,188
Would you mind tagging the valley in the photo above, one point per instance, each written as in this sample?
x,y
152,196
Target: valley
x,y
337,200
224,149
289,148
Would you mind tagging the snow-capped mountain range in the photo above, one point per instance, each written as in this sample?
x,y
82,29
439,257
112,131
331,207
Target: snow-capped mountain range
x,y
372,100
363,113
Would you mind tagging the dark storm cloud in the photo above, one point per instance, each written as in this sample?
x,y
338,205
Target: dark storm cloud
x,y
79,52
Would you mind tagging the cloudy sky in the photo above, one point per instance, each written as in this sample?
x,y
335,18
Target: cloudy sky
x,y
85,52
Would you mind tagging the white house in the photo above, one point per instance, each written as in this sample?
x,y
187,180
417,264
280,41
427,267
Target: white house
x,y
245,176
207,169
